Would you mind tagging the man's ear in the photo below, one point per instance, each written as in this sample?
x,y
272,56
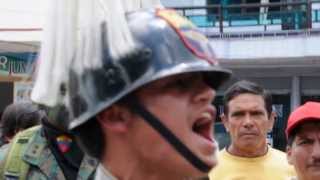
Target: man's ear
x,y
224,120
289,155
115,119
272,118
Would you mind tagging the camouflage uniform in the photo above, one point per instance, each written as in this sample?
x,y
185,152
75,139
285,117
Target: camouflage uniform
x,y
44,166
3,151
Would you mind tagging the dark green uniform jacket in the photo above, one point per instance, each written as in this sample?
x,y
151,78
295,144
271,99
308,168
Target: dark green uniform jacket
x,y
33,159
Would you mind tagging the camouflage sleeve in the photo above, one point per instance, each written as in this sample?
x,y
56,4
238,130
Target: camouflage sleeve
x,y
36,173
4,151
3,154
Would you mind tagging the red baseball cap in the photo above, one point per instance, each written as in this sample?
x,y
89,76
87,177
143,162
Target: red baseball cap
x,y
309,111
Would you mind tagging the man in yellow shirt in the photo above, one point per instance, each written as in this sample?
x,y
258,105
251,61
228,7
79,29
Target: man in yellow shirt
x,y
303,133
248,117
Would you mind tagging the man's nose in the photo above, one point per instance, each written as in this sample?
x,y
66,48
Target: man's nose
x,y
316,150
205,94
247,121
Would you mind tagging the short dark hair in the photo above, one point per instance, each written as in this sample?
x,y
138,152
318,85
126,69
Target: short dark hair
x,y
292,135
92,130
19,116
244,86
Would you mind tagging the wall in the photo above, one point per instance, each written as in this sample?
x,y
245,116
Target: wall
x,y
275,47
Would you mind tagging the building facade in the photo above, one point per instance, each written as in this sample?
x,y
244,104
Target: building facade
x,y
272,42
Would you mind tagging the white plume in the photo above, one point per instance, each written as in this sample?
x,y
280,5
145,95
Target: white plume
x,y
57,49
73,33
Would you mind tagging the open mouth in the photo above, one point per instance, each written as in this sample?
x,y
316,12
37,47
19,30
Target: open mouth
x,y
203,127
315,165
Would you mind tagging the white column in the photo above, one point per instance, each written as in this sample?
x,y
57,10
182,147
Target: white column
x,y
295,92
263,12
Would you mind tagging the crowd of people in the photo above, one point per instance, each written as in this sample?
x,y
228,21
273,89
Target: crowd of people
x,y
247,116
148,114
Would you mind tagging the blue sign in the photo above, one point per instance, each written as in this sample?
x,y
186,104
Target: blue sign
x,y
12,64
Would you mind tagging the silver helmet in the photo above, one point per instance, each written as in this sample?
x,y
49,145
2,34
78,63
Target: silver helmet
x,y
168,45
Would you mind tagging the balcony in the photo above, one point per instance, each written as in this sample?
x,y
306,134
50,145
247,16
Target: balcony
x,y
253,20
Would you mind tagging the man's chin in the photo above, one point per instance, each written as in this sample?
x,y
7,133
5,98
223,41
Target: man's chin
x,y
212,160
314,172
249,144
212,163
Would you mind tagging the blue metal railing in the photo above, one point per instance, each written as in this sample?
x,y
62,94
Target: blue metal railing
x,y
288,16
253,19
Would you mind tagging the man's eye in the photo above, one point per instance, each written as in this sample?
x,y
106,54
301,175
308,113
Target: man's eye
x,y
183,84
237,114
180,84
305,141
257,113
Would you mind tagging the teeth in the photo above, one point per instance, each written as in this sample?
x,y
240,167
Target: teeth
x,y
205,118
206,115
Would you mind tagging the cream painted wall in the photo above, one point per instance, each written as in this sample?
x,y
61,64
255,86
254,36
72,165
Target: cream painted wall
x,y
271,47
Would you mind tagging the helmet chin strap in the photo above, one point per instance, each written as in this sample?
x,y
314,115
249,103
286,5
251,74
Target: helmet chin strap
x,y
154,122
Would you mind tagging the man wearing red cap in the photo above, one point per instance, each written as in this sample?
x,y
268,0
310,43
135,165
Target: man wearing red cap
x,y
303,133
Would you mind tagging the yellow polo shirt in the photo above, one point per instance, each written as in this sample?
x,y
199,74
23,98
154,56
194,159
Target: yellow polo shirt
x,y
271,166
